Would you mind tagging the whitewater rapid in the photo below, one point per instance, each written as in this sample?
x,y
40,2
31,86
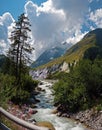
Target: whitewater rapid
x,y
45,108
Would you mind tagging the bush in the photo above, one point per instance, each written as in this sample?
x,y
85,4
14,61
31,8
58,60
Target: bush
x,y
7,84
81,88
58,75
10,90
24,89
27,83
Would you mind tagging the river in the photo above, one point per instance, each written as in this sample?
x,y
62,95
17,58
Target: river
x,y
45,108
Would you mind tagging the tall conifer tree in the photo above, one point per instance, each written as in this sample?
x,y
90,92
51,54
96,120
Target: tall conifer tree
x,y
20,48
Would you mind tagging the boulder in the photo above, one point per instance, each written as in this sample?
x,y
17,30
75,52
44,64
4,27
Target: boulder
x,y
39,89
55,111
32,120
45,124
32,111
33,106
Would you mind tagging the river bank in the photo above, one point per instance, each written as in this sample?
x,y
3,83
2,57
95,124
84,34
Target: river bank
x,y
90,118
26,113
43,111
23,112
46,109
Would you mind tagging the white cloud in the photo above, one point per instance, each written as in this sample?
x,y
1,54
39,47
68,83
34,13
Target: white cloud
x,y
55,21
72,7
6,19
94,0
90,1
5,22
76,38
3,47
96,17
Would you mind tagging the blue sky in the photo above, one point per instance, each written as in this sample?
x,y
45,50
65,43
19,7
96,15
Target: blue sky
x,y
53,23
15,7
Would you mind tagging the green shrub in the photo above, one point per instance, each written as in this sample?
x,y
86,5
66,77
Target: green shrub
x,y
10,90
99,107
24,89
81,88
58,75
7,84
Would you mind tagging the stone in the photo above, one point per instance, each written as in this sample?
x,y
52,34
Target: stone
x,y
32,111
33,106
31,120
54,111
45,124
39,89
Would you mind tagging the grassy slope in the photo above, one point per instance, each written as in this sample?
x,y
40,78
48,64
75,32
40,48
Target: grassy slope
x,y
74,53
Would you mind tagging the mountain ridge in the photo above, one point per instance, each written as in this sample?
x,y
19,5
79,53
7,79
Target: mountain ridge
x,y
92,39
50,54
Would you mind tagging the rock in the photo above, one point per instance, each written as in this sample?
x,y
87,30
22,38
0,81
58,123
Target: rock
x,y
41,83
35,93
37,100
31,100
91,118
43,90
54,111
39,89
33,106
31,111
59,114
45,124
65,115
31,120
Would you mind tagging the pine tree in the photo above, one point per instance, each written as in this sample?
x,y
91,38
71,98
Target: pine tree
x,y
20,48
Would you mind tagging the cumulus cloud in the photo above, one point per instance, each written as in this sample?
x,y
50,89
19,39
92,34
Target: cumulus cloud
x,y
55,21
72,7
96,17
90,1
5,21
76,38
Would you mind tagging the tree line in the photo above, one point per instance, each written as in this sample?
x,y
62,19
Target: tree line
x,y
16,83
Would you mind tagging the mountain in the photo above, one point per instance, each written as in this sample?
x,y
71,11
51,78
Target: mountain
x,y
89,47
48,55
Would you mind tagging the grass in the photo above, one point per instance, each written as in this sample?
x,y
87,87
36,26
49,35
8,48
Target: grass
x,y
75,53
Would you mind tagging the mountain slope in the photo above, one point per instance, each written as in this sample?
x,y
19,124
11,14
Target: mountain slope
x,y
49,55
92,38
82,49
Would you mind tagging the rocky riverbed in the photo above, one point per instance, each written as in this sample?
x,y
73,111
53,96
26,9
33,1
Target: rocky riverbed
x,y
23,112
91,118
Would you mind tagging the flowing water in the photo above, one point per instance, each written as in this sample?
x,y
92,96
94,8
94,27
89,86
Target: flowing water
x,y
45,108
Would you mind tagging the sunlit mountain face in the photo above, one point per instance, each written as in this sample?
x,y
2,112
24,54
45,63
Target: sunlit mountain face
x,y
50,54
